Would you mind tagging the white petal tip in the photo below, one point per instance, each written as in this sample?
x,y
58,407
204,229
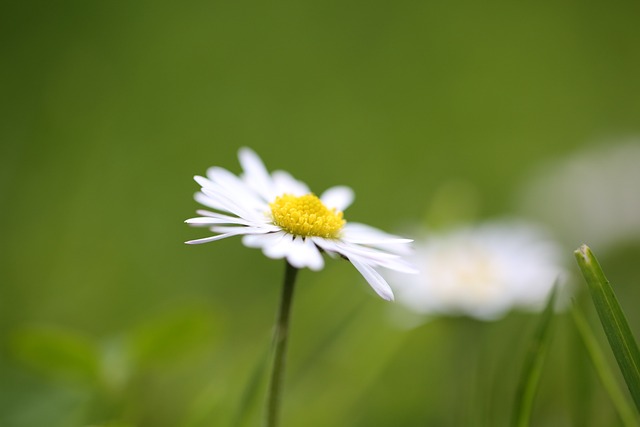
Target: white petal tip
x,y
193,223
201,180
199,221
386,295
246,153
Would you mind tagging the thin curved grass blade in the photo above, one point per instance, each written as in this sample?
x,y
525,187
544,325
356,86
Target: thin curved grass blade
x,y
614,322
532,367
596,355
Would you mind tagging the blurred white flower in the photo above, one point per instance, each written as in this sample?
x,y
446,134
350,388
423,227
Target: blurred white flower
x,y
591,197
280,215
481,271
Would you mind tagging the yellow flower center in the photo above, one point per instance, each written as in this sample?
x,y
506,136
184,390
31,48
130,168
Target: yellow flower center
x,y
306,216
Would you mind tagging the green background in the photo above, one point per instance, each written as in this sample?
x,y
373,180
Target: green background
x,y
108,110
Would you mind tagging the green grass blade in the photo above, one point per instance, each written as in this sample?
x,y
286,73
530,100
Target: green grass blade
x,y
532,368
614,322
596,355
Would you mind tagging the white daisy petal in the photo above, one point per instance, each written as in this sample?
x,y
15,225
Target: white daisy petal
x,y
286,184
224,179
327,245
235,205
207,201
305,254
354,232
339,197
314,257
221,176
374,279
204,182
222,200
280,248
209,239
230,219
255,173
372,254
262,240
363,231
204,212
244,230
399,265
209,221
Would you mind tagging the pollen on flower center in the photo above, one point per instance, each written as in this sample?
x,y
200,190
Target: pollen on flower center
x,y
306,216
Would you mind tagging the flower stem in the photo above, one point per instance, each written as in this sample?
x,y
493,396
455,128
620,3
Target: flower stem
x,y
280,342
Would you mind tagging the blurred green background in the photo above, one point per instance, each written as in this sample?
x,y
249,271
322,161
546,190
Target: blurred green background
x,y
110,108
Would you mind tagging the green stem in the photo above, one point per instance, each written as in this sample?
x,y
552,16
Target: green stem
x,y
280,342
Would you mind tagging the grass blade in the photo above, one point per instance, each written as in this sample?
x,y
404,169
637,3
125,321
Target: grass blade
x,y
532,368
614,322
596,355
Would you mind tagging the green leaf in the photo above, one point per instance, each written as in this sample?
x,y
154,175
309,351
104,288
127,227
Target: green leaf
x,y
532,367
613,320
58,353
625,410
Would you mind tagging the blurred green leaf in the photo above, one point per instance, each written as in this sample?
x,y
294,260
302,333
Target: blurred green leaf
x,y
57,352
625,411
172,334
614,322
532,367
205,406
253,391
115,364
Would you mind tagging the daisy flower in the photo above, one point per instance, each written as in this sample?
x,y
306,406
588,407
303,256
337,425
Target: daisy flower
x,y
482,271
280,215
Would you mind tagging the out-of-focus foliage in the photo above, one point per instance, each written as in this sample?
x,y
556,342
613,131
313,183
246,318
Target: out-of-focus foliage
x,y
433,113
59,353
